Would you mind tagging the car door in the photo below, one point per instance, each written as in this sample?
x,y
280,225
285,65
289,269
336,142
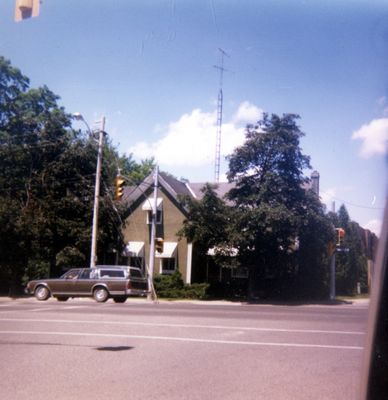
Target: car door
x,y
85,281
138,281
64,284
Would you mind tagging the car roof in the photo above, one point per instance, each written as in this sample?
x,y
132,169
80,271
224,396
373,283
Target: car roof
x,y
116,267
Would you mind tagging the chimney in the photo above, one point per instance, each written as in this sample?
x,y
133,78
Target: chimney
x,y
315,182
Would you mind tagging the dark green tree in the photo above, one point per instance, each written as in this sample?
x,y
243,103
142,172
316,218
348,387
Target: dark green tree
x,y
139,171
208,226
351,265
47,177
312,279
272,203
208,220
33,135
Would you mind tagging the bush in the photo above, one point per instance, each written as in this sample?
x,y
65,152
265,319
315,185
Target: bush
x,y
173,287
195,291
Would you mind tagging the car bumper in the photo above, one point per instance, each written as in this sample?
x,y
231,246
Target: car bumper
x,y
136,292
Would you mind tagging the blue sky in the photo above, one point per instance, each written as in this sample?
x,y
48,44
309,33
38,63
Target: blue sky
x,y
148,67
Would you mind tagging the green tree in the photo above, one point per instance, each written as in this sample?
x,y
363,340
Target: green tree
x,y
208,221
208,226
271,200
139,171
351,266
33,134
47,175
312,279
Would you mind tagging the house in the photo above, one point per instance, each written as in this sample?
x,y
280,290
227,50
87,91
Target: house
x,y
178,253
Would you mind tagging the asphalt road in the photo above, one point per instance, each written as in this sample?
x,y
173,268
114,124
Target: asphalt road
x,y
84,350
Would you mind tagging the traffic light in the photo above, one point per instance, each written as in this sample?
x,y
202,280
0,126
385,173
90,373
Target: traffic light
x,y
26,9
159,244
119,187
340,236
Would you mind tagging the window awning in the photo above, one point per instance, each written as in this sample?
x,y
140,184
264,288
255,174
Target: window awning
x,y
148,204
134,249
169,250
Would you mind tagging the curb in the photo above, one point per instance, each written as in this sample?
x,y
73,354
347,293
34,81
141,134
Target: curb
x,y
137,300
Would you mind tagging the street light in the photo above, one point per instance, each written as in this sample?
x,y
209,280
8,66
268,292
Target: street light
x,y
93,256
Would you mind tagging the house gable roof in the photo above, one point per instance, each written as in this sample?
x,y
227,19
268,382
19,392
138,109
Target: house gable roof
x,y
220,188
176,188
135,195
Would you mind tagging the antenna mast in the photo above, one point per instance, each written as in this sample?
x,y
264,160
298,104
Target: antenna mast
x,y
219,117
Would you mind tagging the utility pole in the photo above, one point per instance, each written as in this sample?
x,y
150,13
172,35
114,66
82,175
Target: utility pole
x,y
332,277
93,256
153,236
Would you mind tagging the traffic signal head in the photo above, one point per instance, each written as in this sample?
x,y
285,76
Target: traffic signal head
x,y
26,9
119,187
159,245
340,236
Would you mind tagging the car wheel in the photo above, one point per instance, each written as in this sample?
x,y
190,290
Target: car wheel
x,y
100,294
62,298
42,293
120,299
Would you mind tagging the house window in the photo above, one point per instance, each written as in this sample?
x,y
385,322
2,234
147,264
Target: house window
x,y
158,217
148,206
167,266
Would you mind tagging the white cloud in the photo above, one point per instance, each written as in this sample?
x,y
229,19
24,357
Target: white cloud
x,y
247,113
374,137
327,196
191,140
374,225
185,142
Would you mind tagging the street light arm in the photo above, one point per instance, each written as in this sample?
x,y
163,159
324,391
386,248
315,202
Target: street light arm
x,y
79,117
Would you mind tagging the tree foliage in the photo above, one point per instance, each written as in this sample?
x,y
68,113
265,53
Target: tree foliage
x,y
351,266
209,221
208,226
312,278
272,218
47,178
275,210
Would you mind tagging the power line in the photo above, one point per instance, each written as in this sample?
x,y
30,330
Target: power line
x,y
357,205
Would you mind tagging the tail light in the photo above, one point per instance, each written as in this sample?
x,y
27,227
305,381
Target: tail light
x,y
129,285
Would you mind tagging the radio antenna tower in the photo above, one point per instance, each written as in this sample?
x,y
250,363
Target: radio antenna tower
x,y
219,117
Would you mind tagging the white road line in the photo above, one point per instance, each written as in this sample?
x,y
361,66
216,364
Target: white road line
x,y
151,324
182,339
47,308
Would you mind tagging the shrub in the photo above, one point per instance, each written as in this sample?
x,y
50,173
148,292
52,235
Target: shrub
x,y
173,287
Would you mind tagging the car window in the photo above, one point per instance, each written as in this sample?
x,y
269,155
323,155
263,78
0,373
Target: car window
x,y
87,274
104,273
135,273
72,274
